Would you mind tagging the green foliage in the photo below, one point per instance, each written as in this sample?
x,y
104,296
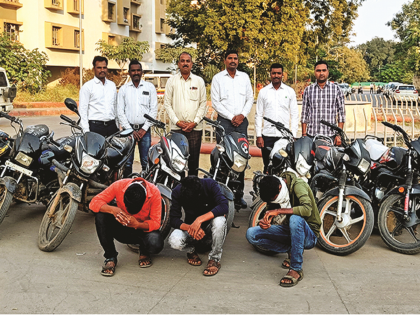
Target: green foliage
x,y
124,52
396,72
352,65
50,94
24,67
171,54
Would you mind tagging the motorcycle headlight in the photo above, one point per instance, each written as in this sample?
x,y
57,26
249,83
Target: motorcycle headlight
x,y
23,159
178,163
89,164
302,167
363,166
239,162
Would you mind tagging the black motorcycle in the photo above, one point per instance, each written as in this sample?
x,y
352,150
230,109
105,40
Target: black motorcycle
x,y
345,209
229,159
96,162
27,175
399,214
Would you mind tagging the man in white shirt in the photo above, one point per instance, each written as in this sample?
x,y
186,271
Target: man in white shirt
x,y
186,104
98,101
135,99
276,101
232,98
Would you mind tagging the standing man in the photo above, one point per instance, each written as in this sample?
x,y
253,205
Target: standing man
x,y
322,100
205,208
371,88
98,101
276,101
232,98
186,104
135,99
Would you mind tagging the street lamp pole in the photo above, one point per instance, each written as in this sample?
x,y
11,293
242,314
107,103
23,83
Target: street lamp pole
x,y
80,44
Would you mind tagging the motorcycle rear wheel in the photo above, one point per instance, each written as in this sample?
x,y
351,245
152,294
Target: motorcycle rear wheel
x,y
5,201
352,233
165,226
392,226
54,229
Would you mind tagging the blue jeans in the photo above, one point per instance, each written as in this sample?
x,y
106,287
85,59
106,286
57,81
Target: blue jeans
x,y
144,146
293,238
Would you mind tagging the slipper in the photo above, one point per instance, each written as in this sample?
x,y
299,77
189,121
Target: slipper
x,y
109,268
211,264
286,264
147,260
293,279
196,261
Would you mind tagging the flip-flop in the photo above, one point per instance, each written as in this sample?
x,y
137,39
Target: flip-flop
x,y
293,279
112,269
147,260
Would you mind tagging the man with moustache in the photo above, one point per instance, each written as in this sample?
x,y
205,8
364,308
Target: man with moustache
x,y
232,98
98,101
276,101
322,100
186,104
135,99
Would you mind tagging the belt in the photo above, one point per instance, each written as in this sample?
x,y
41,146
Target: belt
x,y
137,126
100,122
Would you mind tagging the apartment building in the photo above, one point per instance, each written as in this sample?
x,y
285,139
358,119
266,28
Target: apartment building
x,y
52,26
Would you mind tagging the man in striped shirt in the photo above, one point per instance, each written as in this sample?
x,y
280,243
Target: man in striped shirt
x,y
322,100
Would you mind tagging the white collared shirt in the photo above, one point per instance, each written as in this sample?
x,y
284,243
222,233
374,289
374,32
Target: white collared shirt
x,y
134,102
185,100
279,105
231,96
97,101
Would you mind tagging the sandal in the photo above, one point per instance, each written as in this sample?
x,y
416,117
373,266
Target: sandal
x,y
286,263
293,279
109,271
145,262
194,259
210,266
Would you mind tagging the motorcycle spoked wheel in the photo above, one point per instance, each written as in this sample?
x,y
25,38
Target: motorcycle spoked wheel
x,y
393,228
256,215
5,201
54,229
352,233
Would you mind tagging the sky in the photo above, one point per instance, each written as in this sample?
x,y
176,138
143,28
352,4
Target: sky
x,y
372,19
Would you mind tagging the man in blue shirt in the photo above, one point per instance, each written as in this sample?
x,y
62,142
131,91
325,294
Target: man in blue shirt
x,y
205,208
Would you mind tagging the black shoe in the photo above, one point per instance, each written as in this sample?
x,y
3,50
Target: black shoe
x,y
243,203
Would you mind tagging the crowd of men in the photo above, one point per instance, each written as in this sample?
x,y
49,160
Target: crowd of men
x,y
136,218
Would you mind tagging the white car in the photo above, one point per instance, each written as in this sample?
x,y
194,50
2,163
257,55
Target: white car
x,y
405,92
345,88
7,92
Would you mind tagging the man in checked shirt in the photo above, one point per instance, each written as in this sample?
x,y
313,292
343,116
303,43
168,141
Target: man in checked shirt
x,y
322,100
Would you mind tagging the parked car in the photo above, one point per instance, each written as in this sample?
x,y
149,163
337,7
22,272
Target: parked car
x,y
390,88
405,91
345,88
158,80
7,92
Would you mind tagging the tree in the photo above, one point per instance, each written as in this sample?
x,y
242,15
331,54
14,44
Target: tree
x,y
24,67
352,65
124,52
396,72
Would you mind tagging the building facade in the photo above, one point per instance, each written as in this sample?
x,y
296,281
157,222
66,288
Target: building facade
x,y
52,26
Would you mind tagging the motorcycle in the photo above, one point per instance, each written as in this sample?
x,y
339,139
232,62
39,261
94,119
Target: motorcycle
x,y
26,174
360,90
399,213
345,209
228,159
95,163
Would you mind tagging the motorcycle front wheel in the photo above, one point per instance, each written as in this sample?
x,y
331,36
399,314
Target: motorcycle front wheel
x,y
400,235
54,229
5,201
349,235
165,226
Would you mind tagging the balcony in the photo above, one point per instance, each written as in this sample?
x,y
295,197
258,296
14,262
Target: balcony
x,y
135,25
13,4
54,4
73,6
136,2
123,12
63,37
109,11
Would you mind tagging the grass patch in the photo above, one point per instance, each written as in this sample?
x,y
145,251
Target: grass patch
x,y
50,94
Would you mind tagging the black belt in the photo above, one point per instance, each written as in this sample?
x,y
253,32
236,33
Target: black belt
x,y
137,126
100,122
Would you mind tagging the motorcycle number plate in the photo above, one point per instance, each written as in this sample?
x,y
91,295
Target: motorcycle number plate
x,y
18,168
171,172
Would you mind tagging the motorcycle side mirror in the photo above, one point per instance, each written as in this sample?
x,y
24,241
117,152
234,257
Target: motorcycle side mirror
x,y
72,105
126,132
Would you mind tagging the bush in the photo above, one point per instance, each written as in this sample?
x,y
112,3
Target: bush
x,y
71,76
51,94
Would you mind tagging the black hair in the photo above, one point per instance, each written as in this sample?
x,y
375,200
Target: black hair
x,y
135,62
230,52
134,198
190,188
184,53
269,188
321,62
99,59
276,66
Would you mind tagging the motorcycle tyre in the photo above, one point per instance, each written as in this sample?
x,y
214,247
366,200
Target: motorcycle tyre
x,y
5,203
165,226
258,212
50,245
396,246
363,237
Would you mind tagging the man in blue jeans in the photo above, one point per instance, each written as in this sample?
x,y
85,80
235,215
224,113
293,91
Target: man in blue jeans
x,y
299,229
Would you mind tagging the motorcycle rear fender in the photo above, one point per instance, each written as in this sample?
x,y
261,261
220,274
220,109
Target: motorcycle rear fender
x,y
415,190
164,191
226,191
348,191
73,190
10,183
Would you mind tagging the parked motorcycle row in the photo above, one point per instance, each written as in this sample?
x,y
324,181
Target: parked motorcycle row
x,y
361,185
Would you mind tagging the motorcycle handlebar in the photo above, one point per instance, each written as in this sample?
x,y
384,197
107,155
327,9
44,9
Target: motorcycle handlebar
x,y
67,119
156,122
59,165
326,123
273,122
398,129
3,114
55,142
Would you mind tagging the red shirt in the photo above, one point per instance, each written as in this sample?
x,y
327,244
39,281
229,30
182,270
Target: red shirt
x,y
150,212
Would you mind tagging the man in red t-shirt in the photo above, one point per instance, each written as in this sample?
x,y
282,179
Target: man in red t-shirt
x,y
135,220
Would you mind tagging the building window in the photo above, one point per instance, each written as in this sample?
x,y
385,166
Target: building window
x,y
12,31
126,15
111,40
111,7
162,24
162,1
75,5
77,39
55,2
136,22
56,36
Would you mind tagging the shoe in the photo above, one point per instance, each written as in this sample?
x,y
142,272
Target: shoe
x,y
243,203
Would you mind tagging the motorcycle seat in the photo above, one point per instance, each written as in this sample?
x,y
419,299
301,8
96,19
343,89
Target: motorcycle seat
x,y
37,130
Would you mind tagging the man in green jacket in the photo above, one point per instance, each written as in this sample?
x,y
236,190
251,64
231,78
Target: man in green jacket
x,y
290,229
